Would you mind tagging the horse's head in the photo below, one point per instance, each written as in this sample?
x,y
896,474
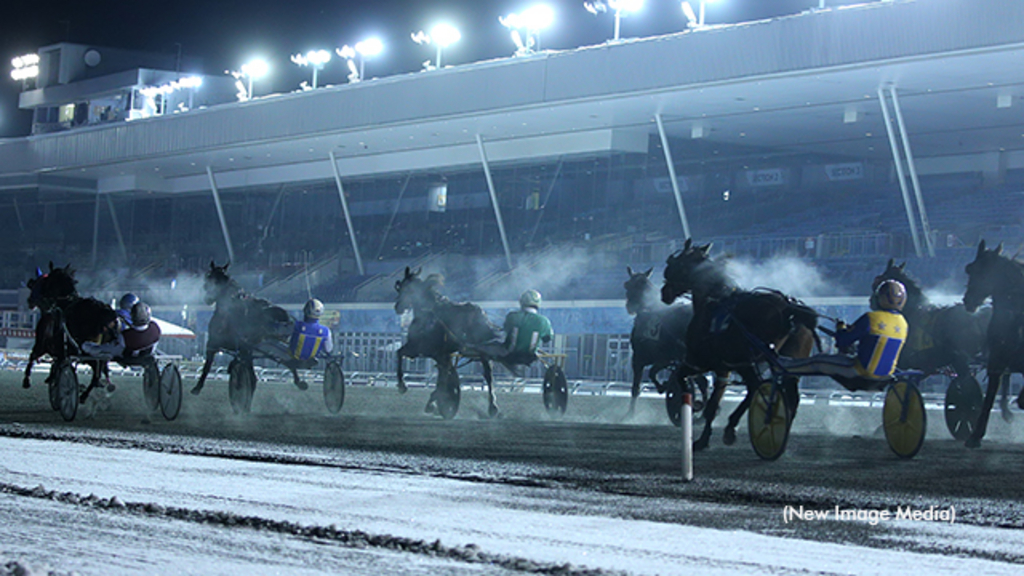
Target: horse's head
x,y
52,288
983,275
682,270
413,292
639,290
217,284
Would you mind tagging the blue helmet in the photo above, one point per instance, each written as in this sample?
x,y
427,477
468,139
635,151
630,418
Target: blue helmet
x,y
127,301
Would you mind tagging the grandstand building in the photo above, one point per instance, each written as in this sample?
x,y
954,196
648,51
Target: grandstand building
x,y
838,136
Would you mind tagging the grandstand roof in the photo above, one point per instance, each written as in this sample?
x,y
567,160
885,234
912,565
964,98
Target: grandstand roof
x,y
803,84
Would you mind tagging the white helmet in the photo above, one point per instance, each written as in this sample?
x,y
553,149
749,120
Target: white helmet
x,y
313,309
530,298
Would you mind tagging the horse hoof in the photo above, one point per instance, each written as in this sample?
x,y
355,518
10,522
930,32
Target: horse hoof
x,y
492,411
195,391
26,384
402,388
429,408
973,442
729,437
110,386
700,445
301,385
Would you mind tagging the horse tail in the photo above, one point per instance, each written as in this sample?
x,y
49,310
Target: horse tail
x,y
803,315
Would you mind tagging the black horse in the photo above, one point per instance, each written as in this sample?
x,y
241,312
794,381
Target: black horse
x,y
1001,277
240,322
940,337
658,338
731,328
440,328
67,321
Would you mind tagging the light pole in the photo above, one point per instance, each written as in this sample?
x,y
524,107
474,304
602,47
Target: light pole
x,y
315,59
695,20
367,49
532,20
254,70
442,35
619,7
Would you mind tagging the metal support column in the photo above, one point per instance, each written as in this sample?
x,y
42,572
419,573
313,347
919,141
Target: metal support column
x,y
220,214
540,209
494,200
926,230
899,172
672,176
17,213
394,214
117,227
348,217
95,229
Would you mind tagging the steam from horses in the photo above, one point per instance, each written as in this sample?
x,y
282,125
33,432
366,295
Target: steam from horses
x,y
790,275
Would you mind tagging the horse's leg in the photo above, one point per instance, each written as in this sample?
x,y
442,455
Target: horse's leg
x,y
442,380
711,410
94,382
402,388
206,371
492,404
1004,401
638,375
752,381
995,380
32,357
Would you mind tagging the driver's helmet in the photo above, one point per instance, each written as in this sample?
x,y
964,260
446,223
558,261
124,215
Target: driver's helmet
x,y
141,315
127,301
530,298
890,295
313,309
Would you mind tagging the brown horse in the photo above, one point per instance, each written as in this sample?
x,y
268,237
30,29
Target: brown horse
x,y
1001,277
725,323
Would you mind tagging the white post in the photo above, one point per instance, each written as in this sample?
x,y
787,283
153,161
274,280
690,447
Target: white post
x,y
687,416
494,201
348,217
672,176
898,161
220,214
926,229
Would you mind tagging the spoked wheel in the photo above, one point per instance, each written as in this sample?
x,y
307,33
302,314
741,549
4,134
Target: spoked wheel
x,y
963,406
241,385
67,391
674,399
556,390
169,395
768,422
53,388
449,393
334,387
903,419
151,386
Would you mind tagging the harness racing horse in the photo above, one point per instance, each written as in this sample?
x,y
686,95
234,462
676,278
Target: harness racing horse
x,y
658,338
240,321
1001,277
940,336
66,321
439,329
731,328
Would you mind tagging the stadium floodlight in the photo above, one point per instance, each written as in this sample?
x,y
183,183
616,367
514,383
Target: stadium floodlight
x,y
315,59
186,83
365,49
442,36
25,67
532,20
695,20
619,7
252,70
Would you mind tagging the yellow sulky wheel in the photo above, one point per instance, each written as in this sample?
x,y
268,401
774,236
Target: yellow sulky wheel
x,y
768,422
903,419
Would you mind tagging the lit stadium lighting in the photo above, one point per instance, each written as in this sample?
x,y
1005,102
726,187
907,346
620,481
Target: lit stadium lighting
x,y
365,49
442,36
315,59
619,7
532,20
695,20
25,67
252,70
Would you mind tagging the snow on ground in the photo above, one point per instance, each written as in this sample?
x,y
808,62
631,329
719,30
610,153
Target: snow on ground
x,y
503,527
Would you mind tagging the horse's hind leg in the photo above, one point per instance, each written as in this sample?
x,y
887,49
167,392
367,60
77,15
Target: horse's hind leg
x,y
206,371
638,375
1004,401
492,404
402,388
711,410
27,381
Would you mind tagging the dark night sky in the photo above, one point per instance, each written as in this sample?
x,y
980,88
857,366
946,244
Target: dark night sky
x,y
225,33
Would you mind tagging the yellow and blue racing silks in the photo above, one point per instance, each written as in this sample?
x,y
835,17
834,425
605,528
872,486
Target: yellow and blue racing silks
x,y
879,335
308,338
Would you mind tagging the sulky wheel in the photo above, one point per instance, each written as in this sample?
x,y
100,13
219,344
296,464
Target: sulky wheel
x,y
768,422
903,419
67,391
674,391
151,386
556,390
963,406
449,393
169,392
334,387
52,388
241,385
